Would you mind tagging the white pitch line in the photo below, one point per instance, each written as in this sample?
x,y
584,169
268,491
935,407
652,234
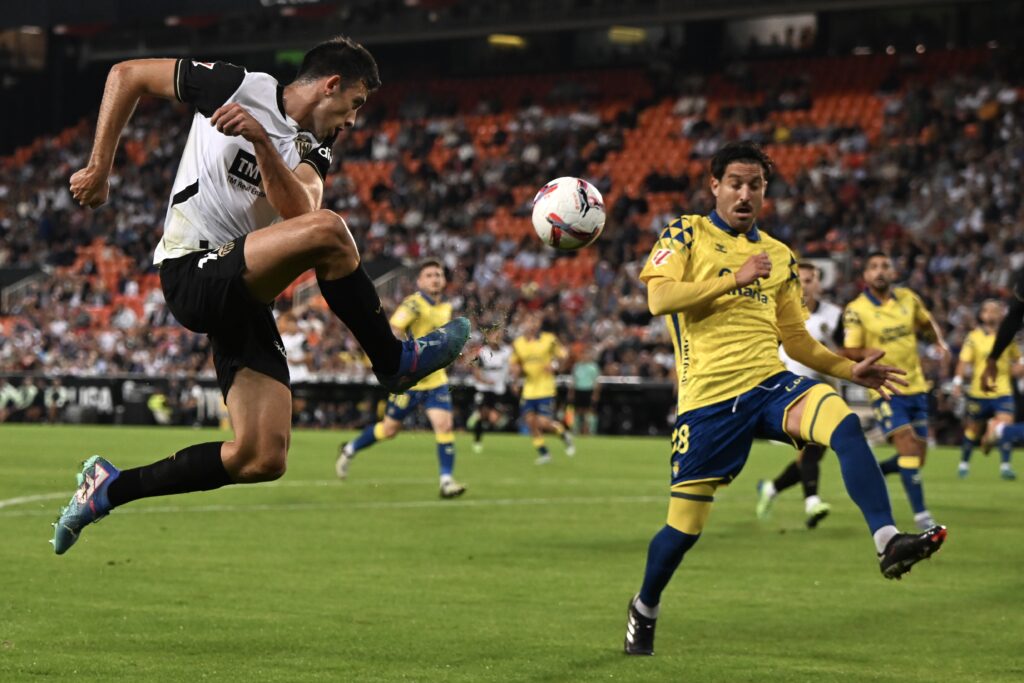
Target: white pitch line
x,y
368,505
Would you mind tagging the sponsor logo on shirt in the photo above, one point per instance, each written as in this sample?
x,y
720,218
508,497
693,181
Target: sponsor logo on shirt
x,y
244,173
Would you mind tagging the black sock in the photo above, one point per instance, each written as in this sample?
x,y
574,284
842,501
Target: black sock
x,y
478,430
196,468
890,466
810,469
354,300
789,477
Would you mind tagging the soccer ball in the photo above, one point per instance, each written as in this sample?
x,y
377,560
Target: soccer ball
x,y
568,213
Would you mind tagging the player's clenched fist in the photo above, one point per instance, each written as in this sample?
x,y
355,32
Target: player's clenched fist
x,y
757,266
233,119
90,187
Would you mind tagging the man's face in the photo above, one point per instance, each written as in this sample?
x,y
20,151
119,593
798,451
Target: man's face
x,y
337,106
431,280
810,282
739,195
992,313
879,273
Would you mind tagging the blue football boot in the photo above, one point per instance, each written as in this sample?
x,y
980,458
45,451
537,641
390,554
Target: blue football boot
x,y
88,505
426,355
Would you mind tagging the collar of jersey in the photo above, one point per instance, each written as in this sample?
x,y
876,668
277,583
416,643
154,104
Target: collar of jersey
x,y
752,235
875,300
288,119
429,299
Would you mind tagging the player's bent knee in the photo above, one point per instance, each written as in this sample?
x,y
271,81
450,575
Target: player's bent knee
x,y
255,460
689,507
824,411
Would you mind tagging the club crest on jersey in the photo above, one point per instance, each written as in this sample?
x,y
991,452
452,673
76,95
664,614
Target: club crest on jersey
x,y
225,249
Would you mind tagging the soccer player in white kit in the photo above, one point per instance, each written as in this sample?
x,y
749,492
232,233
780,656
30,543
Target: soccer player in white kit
x,y
822,323
491,375
242,224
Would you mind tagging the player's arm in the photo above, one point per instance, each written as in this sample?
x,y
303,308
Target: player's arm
x,y
929,328
126,83
668,293
292,192
403,318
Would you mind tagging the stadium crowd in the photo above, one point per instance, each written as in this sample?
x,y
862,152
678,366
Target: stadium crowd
x,y
936,187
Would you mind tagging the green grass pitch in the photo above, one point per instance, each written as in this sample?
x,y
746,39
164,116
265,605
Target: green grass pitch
x,y
526,578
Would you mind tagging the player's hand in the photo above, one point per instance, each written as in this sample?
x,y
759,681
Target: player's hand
x,y
90,186
757,266
885,379
988,375
233,119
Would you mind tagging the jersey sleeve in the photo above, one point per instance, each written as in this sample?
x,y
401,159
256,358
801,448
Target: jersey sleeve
x,y
207,85
853,328
320,157
406,314
968,352
670,253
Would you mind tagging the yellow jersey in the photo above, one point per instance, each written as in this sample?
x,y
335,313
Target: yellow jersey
x,y
730,344
417,315
976,350
892,327
537,357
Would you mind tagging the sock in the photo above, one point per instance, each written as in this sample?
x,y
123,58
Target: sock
x,y
967,447
591,424
663,557
883,535
446,453
646,610
369,436
911,477
196,468
810,502
478,431
789,477
1005,465
354,300
1011,433
1005,451
861,473
810,469
538,443
890,466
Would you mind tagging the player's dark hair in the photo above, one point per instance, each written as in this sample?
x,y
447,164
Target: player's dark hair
x,y
743,151
875,254
430,263
807,265
343,57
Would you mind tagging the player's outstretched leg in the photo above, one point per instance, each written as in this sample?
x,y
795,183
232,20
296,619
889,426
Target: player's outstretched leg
x,y
824,416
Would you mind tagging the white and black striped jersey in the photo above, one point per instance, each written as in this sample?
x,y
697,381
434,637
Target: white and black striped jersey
x,y
494,371
218,194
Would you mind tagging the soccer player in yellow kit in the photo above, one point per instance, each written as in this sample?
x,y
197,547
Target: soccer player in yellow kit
x,y
889,318
535,356
420,310
996,406
732,292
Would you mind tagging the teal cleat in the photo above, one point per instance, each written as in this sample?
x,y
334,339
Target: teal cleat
x,y
428,354
88,505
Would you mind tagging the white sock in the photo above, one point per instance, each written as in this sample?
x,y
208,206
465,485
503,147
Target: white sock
x,y
446,479
348,450
769,488
964,465
883,536
810,502
649,612
1004,466
923,515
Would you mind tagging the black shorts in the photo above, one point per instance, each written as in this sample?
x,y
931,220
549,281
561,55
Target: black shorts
x,y
206,293
584,399
487,399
